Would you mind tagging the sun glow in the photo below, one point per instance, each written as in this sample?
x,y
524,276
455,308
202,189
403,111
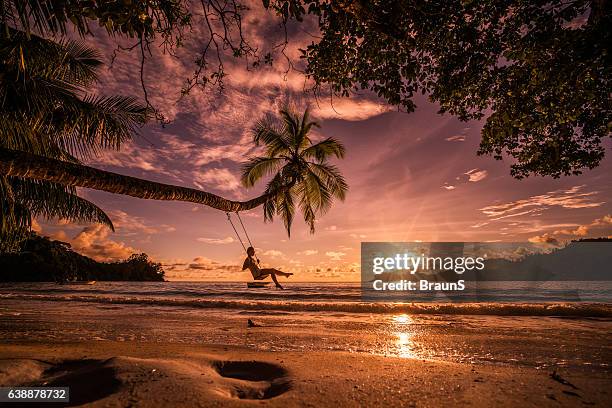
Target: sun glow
x,y
404,342
402,319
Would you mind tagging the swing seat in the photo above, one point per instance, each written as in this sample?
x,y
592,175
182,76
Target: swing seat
x,y
257,284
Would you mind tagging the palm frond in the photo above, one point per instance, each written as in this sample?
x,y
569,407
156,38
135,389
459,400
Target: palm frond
x,y
286,209
24,133
318,192
92,123
303,140
46,16
273,138
331,176
15,219
79,63
66,60
306,207
291,123
270,206
324,149
52,200
258,167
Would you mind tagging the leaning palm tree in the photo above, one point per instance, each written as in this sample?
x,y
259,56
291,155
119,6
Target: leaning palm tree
x,y
300,172
46,110
49,121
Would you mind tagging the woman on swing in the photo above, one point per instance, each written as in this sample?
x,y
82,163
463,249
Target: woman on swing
x,y
252,263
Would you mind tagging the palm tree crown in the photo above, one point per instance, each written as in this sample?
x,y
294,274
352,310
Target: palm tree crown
x,y
47,110
299,169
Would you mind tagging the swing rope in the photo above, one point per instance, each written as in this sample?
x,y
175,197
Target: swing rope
x,y
229,218
244,229
236,231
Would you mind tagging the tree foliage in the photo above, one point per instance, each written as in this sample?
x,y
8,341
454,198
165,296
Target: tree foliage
x,y
297,167
46,108
538,70
133,19
45,260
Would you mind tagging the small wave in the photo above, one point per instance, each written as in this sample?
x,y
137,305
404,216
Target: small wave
x,y
495,309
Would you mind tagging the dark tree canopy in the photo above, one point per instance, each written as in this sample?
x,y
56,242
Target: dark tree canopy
x,y
45,260
133,19
538,71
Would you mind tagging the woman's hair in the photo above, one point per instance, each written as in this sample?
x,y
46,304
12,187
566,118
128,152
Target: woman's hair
x,y
250,251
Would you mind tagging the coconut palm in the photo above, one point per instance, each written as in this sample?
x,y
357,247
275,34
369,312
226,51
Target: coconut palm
x,y
299,169
46,110
299,173
49,120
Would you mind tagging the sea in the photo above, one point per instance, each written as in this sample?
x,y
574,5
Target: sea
x,y
574,298
543,325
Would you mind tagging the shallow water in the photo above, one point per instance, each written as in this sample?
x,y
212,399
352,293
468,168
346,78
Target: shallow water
x,y
316,317
494,298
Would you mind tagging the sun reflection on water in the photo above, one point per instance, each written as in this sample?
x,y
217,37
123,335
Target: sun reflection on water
x,y
403,332
402,319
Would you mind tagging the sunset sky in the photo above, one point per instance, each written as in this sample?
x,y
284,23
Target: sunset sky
x,y
412,176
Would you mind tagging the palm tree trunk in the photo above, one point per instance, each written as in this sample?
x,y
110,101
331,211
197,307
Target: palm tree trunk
x,y
26,165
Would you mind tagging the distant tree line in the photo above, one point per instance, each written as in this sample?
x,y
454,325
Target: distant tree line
x,y
42,259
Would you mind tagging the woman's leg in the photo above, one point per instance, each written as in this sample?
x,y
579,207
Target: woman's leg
x,y
281,273
278,285
273,271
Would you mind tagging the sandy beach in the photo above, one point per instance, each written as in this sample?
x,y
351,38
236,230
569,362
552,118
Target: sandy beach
x,y
120,374
305,203
158,350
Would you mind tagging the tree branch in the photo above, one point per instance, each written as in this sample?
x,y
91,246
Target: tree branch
x,y
26,165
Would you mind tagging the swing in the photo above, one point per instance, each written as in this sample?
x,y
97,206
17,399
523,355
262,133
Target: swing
x,y
255,284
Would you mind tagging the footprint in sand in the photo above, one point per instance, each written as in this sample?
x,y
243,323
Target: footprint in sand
x,y
76,374
254,380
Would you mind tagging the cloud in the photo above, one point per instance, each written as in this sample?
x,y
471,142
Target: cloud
x,y
132,156
599,227
36,226
234,152
203,263
475,175
544,239
218,178
130,224
93,241
335,255
308,252
200,268
457,138
581,231
350,109
572,198
216,241
274,253
360,236
331,228
603,221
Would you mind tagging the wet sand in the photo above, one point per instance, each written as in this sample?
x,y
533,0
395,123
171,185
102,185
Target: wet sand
x,y
131,355
121,374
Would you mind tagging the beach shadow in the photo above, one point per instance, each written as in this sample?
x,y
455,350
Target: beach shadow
x,y
78,375
257,380
89,380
